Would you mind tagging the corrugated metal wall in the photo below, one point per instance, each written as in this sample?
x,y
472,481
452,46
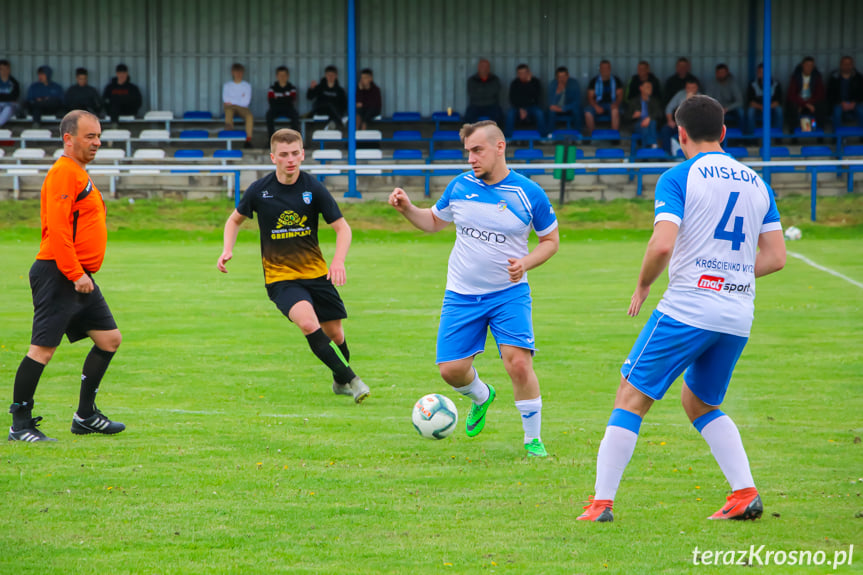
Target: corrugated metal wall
x,y
179,52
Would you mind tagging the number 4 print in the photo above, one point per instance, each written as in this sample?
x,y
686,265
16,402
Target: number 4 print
x,y
736,235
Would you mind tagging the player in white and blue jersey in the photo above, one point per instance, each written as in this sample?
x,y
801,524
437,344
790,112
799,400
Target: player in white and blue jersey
x,y
493,209
717,223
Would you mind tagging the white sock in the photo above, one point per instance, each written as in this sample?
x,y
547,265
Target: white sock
x,y
615,451
722,436
476,390
531,417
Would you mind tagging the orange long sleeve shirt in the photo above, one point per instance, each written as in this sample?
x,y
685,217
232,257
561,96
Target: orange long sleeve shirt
x,y
74,233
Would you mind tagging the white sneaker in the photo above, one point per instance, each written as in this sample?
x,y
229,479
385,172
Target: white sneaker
x,y
342,388
359,390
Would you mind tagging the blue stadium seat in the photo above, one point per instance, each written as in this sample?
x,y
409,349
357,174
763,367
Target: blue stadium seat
x,y
448,155
799,133
445,136
850,131
853,150
232,134
441,117
189,154
611,154
228,154
778,152
407,117
774,133
573,135
407,136
605,135
816,152
650,154
733,134
409,155
525,135
194,134
197,115
526,155
737,152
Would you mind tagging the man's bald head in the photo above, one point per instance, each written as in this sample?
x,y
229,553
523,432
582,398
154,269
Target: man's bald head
x,y
491,129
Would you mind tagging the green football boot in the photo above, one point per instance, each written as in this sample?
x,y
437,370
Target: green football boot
x,y
536,449
476,418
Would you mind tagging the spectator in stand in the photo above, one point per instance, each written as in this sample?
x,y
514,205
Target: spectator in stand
x,y
483,95
645,111
236,96
755,99
669,130
121,97
369,102
82,96
845,93
633,90
564,99
806,96
282,97
604,96
330,99
44,96
525,100
10,92
724,89
677,81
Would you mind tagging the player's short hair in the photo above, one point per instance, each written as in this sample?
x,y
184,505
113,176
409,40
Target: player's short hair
x,y
331,68
237,67
601,62
808,59
722,66
645,62
846,57
521,67
683,59
121,68
285,136
367,71
282,69
702,117
468,130
81,71
561,69
5,62
69,123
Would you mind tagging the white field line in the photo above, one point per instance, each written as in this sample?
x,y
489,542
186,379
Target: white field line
x,y
825,269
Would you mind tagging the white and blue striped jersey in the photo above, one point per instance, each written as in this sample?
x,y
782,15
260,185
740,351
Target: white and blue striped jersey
x,y
492,224
721,207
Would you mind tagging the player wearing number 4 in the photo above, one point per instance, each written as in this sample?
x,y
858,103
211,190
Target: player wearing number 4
x,y
493,209
288,203
717,223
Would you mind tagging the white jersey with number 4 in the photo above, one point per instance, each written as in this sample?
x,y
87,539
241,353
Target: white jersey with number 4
x,y
492,224
721,207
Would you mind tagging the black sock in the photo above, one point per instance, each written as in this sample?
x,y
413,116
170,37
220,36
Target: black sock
x,y
343,347
91,376
329,353
26,380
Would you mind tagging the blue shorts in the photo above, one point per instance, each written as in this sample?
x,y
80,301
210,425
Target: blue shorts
x,y
666,347
466,319
606,106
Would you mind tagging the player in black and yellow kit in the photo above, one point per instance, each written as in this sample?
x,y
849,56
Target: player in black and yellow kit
x,y
288,203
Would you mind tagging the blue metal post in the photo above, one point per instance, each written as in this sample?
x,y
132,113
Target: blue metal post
x,y
237,192
753,42
352,99
766,116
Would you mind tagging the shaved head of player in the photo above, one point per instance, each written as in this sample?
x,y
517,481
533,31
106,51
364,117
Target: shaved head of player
x,y
289,203
66,299
728,235
494,209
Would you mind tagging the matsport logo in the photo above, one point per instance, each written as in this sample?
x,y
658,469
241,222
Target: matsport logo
x,y
717,283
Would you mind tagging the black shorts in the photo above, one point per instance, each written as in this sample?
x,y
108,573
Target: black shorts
x,y
59,309
320,292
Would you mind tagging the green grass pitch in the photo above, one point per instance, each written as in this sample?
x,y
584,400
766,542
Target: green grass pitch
x,y
238,458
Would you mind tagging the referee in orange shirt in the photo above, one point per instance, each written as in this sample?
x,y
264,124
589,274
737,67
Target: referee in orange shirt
x,y
65,297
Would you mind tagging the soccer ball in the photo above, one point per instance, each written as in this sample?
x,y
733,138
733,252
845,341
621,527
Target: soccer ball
x,y
435,416
793,233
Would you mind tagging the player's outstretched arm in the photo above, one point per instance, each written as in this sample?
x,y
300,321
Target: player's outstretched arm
x,y
421,218
547,247
658,253
771,253
232,228
337,273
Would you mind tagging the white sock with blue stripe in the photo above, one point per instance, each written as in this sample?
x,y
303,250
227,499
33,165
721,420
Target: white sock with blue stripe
x,y
615,451
721,434
476,390
531,417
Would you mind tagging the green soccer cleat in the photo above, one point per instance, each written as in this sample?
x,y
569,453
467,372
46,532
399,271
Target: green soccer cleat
x,y
476,418
536,449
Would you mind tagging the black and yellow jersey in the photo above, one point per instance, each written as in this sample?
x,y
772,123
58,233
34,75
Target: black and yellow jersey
x,y
288,220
